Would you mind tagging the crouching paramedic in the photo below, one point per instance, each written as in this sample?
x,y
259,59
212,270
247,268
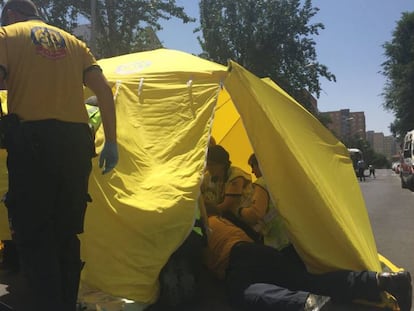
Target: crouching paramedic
x,y
262,215
227,188
50,147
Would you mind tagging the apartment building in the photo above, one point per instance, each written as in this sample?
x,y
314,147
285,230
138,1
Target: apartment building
x,y
386,145
347,125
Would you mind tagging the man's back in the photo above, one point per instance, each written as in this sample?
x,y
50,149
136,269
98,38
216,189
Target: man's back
x,y
45,78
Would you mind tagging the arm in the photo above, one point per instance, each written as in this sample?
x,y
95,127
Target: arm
x,y
96,81
256,212
232,195
208,196
203,214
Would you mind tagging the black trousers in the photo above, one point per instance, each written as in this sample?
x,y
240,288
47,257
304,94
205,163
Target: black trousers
x,y
179,278
49,164
262,278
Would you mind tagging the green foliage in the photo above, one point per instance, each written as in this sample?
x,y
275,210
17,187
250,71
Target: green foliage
x,y
271,38
60,13
399,71
324,118
127,26
380,161
122,26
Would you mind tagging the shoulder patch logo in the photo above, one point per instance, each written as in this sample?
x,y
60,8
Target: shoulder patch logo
x,y
49,43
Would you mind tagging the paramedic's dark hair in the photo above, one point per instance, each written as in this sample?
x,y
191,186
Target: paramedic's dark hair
x,y
24,7
253,160
219,155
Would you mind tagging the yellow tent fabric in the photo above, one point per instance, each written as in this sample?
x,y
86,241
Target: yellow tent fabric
x,y
145,209
309,175
168,105
4,223
228,131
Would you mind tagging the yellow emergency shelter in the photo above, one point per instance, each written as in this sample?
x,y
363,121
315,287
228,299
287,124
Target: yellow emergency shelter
x,y
4,221
169,103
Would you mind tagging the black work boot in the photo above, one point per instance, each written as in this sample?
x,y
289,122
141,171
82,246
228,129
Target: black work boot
x,y
397,284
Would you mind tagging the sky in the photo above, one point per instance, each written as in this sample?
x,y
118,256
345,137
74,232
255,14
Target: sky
x,y
351,45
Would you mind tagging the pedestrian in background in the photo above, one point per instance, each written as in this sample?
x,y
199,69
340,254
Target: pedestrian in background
x,y
371,170
361,169
50,147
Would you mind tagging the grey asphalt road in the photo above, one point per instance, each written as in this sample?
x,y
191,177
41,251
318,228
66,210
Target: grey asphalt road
x,y
391,211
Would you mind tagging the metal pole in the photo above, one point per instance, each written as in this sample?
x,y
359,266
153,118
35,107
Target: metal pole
x,y
93,26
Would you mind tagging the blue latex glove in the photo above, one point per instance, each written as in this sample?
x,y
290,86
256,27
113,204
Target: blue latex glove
x,y
109,157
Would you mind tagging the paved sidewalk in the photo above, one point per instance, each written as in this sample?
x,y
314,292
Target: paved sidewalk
x,y
13,291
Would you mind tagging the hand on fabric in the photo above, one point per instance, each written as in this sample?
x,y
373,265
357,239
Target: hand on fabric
x,y
109,157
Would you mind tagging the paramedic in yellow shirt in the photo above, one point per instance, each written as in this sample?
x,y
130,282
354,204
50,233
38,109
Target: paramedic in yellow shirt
x,y
50,148
225,186
262,215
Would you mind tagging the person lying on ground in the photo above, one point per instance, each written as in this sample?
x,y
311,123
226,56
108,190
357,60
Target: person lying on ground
x,y
259,277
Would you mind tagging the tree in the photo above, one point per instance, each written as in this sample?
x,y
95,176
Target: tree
x,y
271,38
399,72
122,26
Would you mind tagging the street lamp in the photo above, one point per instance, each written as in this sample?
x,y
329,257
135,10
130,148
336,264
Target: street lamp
x,y
347,127
93,26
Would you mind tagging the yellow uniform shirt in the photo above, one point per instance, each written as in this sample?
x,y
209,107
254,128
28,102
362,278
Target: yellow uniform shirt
x,y
44,68
271,224
222,237
214,192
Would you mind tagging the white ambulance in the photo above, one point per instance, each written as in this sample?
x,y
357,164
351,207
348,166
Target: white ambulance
x,y
407,162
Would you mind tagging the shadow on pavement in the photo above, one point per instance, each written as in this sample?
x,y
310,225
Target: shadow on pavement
x,y
14,292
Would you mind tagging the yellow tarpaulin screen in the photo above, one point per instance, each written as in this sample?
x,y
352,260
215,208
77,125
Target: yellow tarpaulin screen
x,y
309,175
4,222
168,104
144,210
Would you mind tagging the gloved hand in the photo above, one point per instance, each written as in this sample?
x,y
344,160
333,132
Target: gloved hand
x,y
109,157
